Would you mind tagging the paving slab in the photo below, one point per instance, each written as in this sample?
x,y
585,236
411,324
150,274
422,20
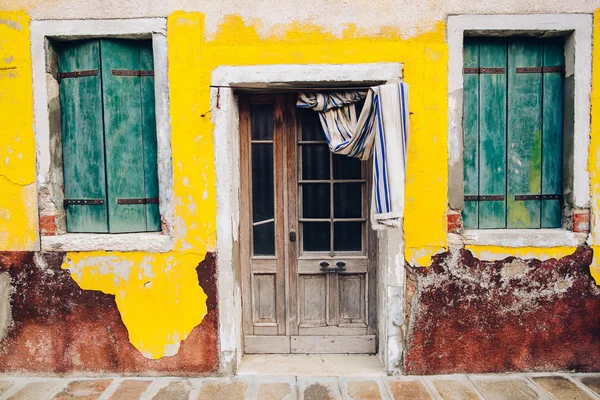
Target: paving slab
x,y
505,389
37,390
408,389
275,391
5,385
561,388
88,389
592,382
175,390
455,389
319,389
224,388
362,389
130,389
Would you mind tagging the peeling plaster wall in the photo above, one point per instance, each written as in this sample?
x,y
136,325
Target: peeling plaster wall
x,y
158,303
470,315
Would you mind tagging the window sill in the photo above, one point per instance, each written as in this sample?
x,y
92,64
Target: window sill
x,y
151,242
517,238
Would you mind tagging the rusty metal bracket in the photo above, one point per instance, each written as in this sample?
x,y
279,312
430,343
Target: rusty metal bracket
x,y
485,198
76,74
132,72
151,200
82,202
524,197
539,70
484,70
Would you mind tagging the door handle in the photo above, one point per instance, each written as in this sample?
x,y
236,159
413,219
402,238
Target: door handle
x,y
340,267
292,236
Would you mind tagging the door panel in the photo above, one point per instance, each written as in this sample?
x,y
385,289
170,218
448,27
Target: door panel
x,y
313,265
261,239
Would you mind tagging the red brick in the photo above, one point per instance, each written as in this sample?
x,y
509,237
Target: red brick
x,y
581,221
47,226
454,222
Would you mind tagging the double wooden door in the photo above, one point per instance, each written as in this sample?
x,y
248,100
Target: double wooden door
x,y
307,250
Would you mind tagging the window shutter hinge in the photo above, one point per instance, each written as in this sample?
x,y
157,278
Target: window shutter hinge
x,y
152,200
132,72
76,74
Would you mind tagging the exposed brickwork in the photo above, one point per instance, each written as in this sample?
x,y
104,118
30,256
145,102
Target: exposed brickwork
x,y
58,327
454,222
47,225
474,316
581,221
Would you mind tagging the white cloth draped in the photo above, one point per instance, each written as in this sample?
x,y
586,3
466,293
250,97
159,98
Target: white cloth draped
x,y
381,128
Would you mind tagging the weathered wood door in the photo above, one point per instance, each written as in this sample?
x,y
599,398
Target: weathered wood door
x,y
307,252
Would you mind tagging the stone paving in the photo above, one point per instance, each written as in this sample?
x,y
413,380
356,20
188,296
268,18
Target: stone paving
x,y
446,387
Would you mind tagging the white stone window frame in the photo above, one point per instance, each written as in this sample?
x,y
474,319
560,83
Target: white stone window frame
x,y
577,30
225,117
49,164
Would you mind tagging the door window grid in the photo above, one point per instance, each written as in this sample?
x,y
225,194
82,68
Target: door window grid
x,y
342,171
262,152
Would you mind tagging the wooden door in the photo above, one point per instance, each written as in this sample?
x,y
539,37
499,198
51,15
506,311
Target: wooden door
x,y
308,277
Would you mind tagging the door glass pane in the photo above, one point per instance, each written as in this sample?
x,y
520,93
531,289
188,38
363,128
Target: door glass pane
x,y
316,236
311,126
261,121
315,200
347,236
315,162
347,200
264,239
345,167
262,182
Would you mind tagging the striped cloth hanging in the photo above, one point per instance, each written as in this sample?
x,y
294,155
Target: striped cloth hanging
x,y
381,128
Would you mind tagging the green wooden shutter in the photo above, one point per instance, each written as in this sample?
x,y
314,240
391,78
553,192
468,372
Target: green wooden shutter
x,y
552,132
492,133
124,124
524,133
149,137
82,137
512,131
470,212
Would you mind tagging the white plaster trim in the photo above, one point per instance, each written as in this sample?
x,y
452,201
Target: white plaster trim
x,y
226,138
144,27
517,238
581,27
151,242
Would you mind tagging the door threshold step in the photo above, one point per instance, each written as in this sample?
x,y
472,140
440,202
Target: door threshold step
x,y
310,365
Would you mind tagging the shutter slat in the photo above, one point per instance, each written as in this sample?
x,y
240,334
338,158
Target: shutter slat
x,y
123,135
492,133
471,133
82,137
524,133
149,136
552,143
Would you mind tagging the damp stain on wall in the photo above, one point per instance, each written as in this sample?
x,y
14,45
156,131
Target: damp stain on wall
x,y
541,314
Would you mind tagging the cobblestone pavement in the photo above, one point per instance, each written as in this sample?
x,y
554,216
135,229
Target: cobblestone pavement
x,y
447,387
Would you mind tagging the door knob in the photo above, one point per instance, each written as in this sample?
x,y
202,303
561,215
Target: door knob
x,y
292,236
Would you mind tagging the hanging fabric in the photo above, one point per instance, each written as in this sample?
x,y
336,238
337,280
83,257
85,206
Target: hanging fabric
x,y
381,128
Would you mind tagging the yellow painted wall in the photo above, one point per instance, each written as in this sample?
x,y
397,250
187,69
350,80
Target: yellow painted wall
x,y
158,294
18,209
594,155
